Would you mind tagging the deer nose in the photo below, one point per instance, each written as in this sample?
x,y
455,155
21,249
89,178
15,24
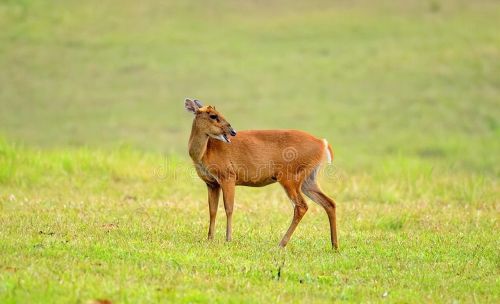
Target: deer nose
x,y
232,132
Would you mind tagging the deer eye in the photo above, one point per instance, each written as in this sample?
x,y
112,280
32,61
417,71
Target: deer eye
x,y
213,116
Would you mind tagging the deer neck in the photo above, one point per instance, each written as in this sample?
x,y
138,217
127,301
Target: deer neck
x,y
197,143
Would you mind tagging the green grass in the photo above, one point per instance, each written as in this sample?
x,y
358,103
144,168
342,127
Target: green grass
x,y
131,227
98,199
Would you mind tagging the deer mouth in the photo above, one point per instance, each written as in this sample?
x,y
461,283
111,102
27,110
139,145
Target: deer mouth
x,y
225,138
222,137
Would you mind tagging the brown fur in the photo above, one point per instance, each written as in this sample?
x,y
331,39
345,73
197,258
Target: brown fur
x,y
257,158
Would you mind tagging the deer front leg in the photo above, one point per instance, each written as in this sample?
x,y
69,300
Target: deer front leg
x,y
228,194
213,203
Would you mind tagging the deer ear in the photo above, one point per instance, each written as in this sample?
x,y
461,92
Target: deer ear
x,y
191,105
198,103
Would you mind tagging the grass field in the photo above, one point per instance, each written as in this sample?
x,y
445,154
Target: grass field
x,y
98,199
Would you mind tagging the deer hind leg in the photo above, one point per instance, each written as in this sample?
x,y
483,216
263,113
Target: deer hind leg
x,y
213,203
300,208
311,189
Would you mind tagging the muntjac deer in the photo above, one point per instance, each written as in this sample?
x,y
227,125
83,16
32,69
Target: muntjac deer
x,y
257,158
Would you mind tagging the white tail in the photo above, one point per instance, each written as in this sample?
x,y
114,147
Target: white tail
x,y
329,156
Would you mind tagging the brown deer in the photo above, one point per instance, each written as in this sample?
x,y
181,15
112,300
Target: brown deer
x,y
257,158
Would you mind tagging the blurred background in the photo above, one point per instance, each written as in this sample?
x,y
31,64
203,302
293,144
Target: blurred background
x,y
378,79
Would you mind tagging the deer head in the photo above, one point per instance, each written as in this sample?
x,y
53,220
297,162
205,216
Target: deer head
x,y
209,121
